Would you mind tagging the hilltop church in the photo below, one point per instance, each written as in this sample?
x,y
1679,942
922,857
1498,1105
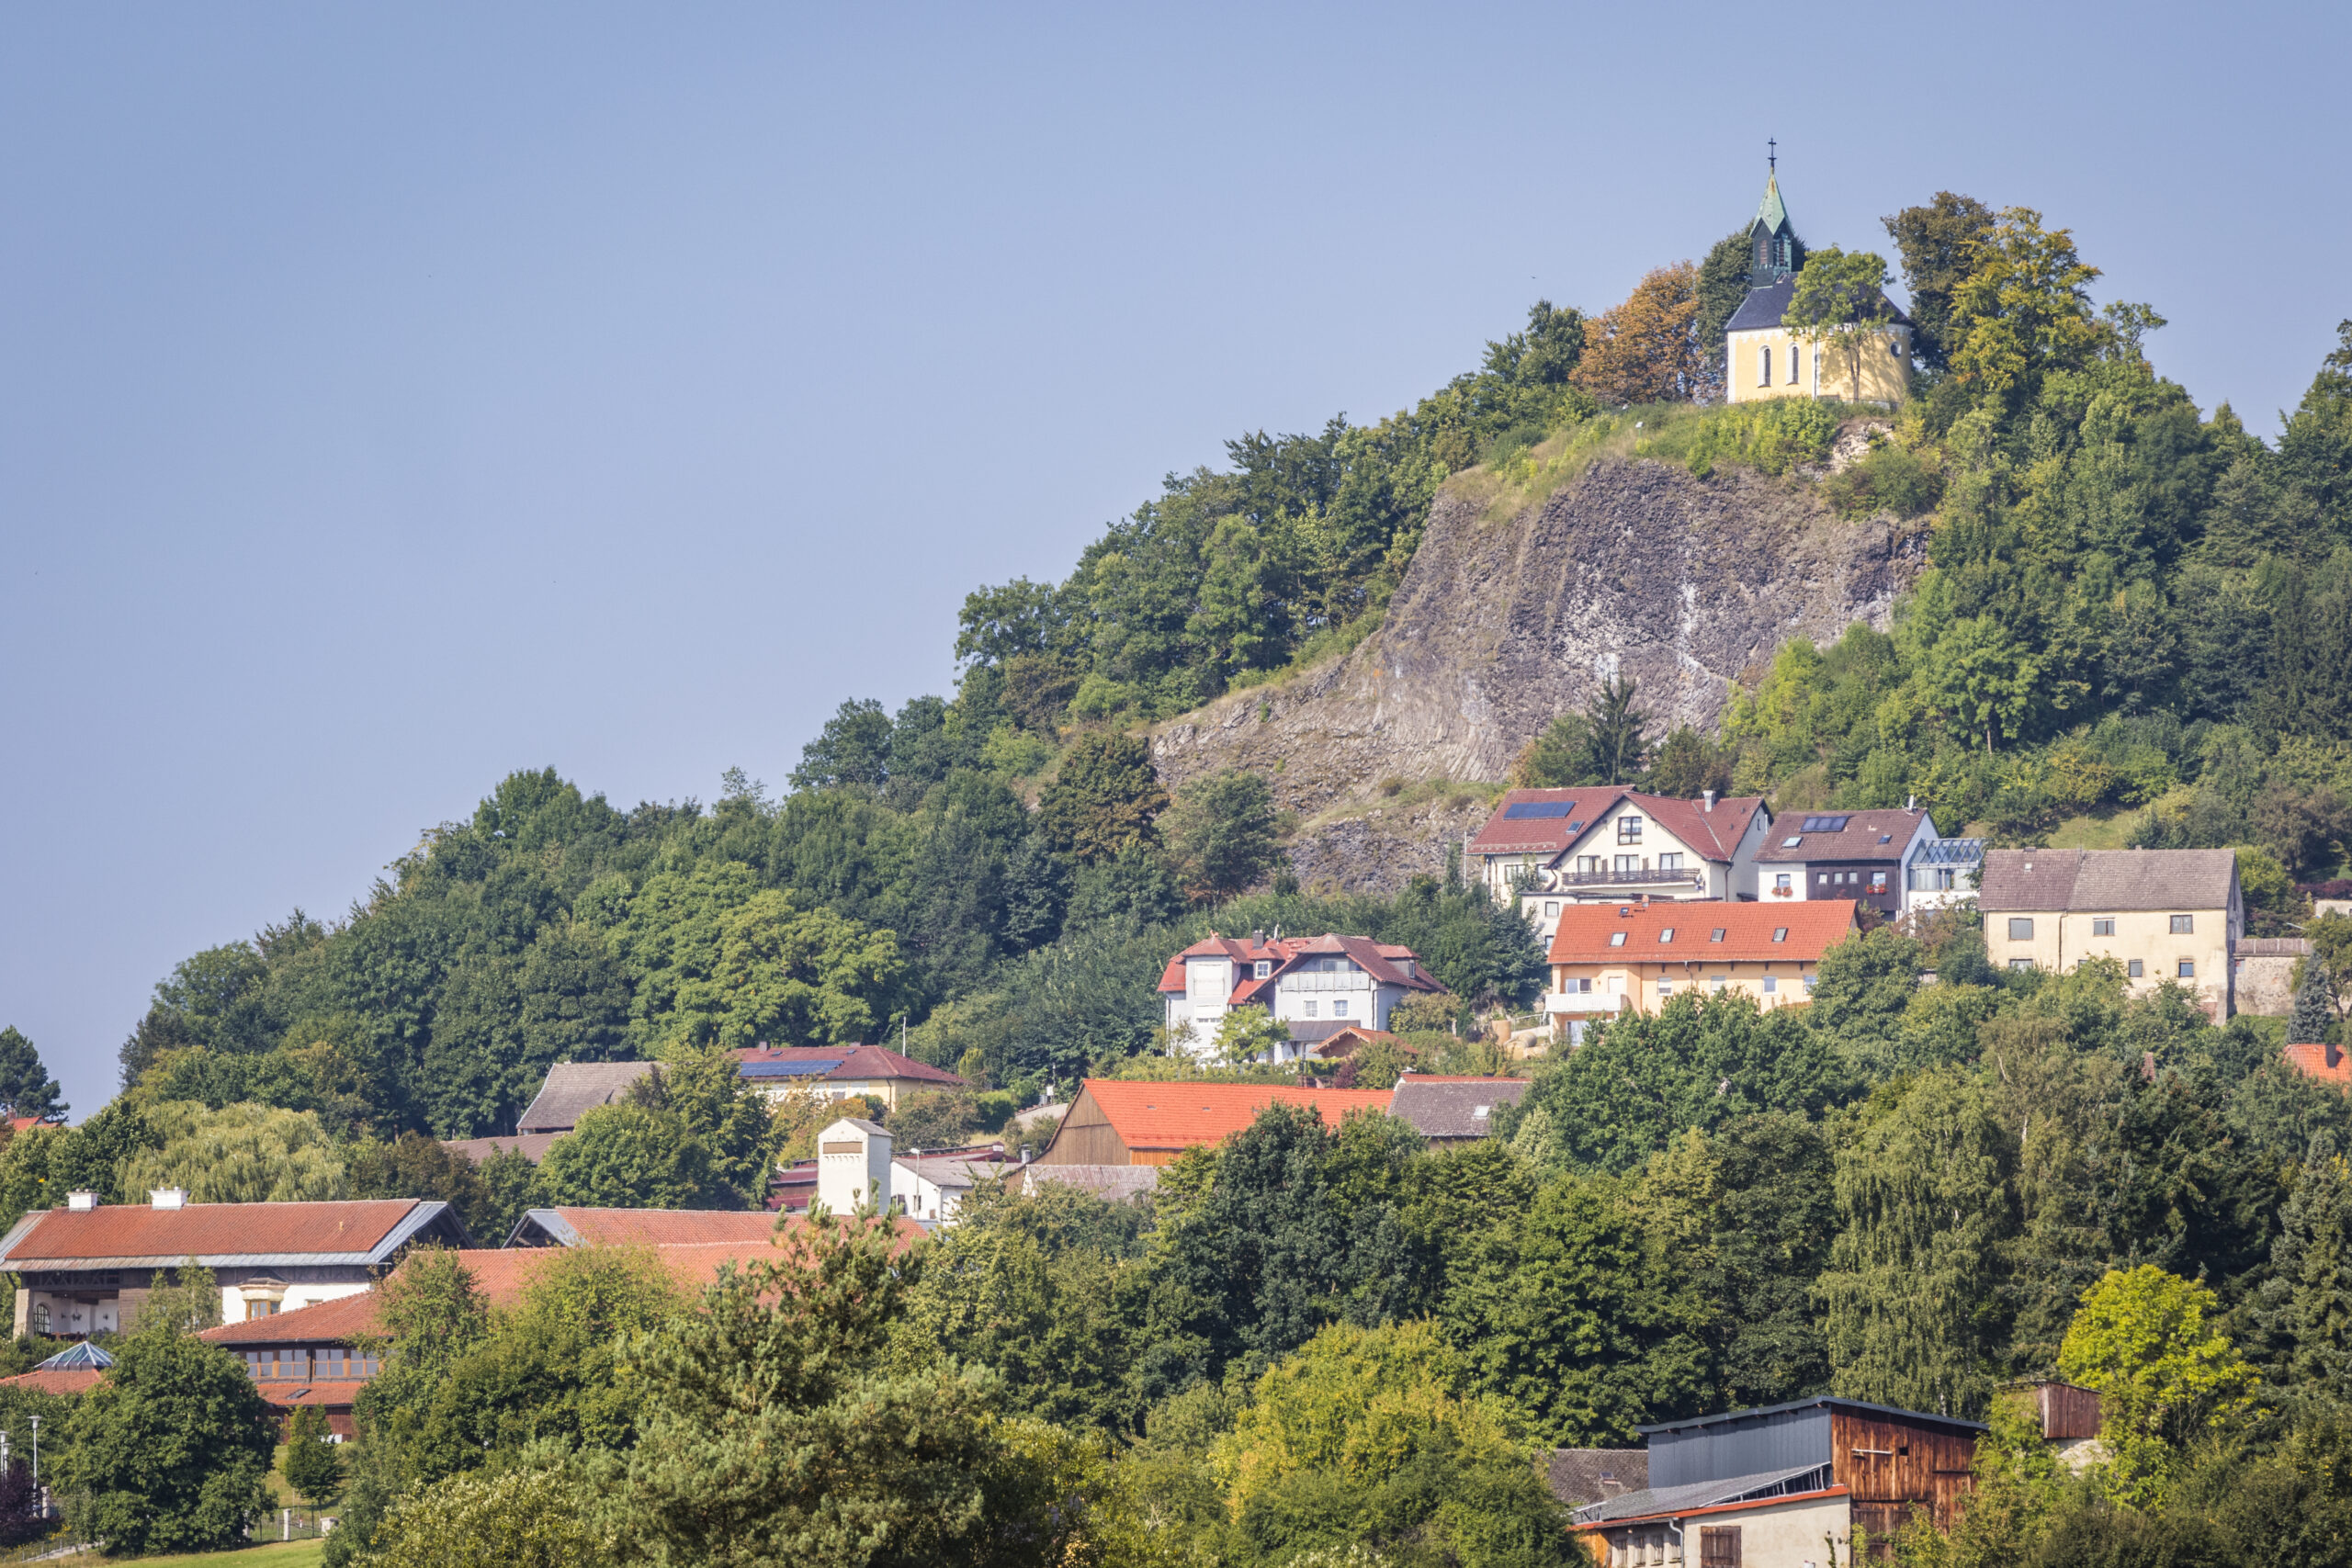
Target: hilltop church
x,y
1765,358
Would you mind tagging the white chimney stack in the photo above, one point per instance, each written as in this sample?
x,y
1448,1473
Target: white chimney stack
x,y
1709,796
167,1197
81,1203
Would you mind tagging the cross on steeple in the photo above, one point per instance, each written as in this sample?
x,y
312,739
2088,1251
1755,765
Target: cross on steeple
x,y
1772,153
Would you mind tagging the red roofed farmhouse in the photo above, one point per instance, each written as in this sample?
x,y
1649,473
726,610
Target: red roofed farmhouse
x,y
1114,1121
1551,849
86,1268
1613,958
1318,985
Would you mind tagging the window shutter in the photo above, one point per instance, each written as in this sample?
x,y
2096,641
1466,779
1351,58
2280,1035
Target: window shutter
x,y
1719,1546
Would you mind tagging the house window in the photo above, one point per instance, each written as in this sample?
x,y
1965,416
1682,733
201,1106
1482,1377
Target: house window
x,y
2020,929
1628,864
1587,865
1824,879
40,1317
1580,986
1629,829
259,1309
1764,365
2189,968
1667,934
2183,925
1719,1546
2102,927
1665,988
1551,909
2021,963
1771,984
1808,985
1616,939
1263,969
1816,368
1780,881
1670,863
1310,1010
1339,1007
1878,882
1715,982
2135,969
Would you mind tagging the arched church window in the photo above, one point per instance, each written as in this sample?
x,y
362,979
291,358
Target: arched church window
x,y
1764,365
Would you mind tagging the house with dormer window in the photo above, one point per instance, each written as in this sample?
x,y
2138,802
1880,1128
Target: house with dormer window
x,y
1848,856
1547,850
1317,986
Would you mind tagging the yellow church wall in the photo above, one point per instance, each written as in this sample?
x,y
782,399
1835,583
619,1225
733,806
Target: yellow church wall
x,y
1819,371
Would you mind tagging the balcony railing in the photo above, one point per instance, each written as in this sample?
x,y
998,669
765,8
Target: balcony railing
x,y
1586,1001
1645,876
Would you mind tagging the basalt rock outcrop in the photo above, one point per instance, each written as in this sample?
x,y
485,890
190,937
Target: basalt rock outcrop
x,y
1634,567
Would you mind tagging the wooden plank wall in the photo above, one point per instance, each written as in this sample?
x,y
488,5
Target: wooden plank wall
x,y
1892,1467
1086,1137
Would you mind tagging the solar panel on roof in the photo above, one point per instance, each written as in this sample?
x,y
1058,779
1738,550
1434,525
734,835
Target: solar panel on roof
x,y
1823,825
1529,810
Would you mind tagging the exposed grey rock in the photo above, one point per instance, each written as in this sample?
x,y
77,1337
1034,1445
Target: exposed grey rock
x,y
1635,566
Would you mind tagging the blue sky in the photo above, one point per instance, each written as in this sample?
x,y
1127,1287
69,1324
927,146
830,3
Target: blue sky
x,y
394,397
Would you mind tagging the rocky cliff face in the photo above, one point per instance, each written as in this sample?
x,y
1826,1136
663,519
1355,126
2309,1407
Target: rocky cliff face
x,y
1636,567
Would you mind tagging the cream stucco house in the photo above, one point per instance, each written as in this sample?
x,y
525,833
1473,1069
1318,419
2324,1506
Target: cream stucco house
x,y
2162,914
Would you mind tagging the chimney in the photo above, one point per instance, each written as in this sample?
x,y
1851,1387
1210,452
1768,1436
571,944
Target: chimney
x,y
1258,939
1709,796
81,1203
167,1197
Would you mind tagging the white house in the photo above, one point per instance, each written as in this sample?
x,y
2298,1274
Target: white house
x,y
854,1165
1549,849
1317,986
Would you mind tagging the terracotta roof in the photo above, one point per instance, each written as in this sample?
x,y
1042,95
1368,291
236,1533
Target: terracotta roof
x,y
1864,835
335,1395
847,1062
1549,820
2105,879
649,1227
1182,1115
1243,950
1449,1107
1814,926
532,1147
335,1322
2315,1060
574,1089
77,1380
1712,833
136,1235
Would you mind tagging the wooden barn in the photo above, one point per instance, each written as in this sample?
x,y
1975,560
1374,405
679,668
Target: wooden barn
x,y
1762,1488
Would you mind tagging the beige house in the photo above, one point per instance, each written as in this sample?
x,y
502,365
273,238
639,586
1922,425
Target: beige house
x,y
1766,358
1611,959
2162,914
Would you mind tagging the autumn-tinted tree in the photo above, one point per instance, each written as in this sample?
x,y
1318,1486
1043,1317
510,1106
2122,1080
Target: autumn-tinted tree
x,y
1646,350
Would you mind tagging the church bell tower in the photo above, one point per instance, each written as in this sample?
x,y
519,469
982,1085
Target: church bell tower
x,y
1772,239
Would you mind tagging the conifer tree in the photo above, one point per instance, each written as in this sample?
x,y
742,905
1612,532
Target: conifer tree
x,y
2302,1314
2314,1008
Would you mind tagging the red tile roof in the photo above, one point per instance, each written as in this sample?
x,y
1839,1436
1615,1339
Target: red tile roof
x,y
1504,834
1714,834
2324,1062
70,1380
1182,1115
856,1062
652,1227
333,1321
337,1231
1814,927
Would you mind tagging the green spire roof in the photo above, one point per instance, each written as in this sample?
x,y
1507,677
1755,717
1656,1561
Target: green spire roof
x,y
1771,211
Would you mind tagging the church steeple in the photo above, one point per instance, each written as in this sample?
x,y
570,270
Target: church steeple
x,y
1772,248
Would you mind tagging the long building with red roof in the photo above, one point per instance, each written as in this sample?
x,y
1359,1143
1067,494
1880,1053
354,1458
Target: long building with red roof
x,y
1119,1122
1638,956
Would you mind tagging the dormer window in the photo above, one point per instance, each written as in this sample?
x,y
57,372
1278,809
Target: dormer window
x,y
1263,969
